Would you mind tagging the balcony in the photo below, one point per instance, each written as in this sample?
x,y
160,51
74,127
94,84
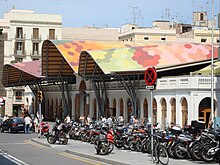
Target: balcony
x,y
35,55
36,39
19,54
20,37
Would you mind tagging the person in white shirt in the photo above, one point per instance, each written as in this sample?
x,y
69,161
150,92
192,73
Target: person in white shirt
x,y
67,119
27,121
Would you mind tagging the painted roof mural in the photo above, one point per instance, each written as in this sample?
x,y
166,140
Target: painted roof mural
x,y
31,67
71,49
137,58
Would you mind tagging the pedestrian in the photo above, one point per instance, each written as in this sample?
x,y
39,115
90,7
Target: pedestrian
x,y
82,119
67,119
36,124
89,120
27,121
5,117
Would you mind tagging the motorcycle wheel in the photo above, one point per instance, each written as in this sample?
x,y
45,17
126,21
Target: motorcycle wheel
x,y
64,140
51,139
118,145
139,146
170,151
195,152
92,139
125,144
178,153
132,146
111,147
104,148
204,150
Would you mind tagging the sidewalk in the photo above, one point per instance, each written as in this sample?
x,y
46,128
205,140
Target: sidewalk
x,y
118,156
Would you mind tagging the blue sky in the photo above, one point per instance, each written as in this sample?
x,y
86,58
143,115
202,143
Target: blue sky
x,y
113,13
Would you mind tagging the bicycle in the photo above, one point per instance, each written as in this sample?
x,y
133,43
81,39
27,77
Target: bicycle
x,y
159,151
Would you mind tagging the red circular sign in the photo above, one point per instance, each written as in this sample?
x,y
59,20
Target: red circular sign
x,y
150,76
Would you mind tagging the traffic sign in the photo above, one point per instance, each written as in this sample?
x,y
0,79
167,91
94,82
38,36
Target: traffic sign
x,y
150,76
150,87
2,101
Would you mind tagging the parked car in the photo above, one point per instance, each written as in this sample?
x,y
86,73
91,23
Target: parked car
x,y
14,124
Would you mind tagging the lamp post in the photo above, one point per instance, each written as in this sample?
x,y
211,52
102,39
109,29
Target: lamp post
x,y
212,66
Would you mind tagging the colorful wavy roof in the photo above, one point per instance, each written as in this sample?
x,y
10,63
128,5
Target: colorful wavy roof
x,y
31,67
71,49
136,58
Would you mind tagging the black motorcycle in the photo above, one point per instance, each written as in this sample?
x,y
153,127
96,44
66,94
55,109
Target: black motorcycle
x,y
59,133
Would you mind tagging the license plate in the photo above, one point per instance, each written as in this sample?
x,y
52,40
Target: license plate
x,y
20,124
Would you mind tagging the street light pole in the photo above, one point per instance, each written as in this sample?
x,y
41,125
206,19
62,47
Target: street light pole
x,y
212,66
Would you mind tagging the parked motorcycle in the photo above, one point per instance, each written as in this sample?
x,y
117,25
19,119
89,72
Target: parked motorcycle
x,y
60,133
104,142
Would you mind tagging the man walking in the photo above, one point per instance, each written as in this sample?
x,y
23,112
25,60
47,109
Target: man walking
x,y
27,121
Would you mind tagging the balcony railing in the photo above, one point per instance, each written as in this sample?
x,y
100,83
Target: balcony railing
x,y
20,37
36,39
19,53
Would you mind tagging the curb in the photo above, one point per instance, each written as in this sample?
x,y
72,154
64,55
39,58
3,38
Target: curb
x,y
41,143
95,158
83,155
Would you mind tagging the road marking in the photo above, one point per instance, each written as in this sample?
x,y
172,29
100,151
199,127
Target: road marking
x,y
76,158
62,154
12,158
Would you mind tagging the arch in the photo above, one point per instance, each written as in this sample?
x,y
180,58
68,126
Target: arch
x,y
154,111
173,110
114,107
121,107
163,112
145,108
95,109
107,111
204,111
129,109
184,106
82,86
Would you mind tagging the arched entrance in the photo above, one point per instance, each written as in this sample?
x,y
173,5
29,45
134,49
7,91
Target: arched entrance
x,y
164,113
145,108
154,111
184,112
107,112
114,108
173,110
129,109
121,107
95,109
80,101
205,110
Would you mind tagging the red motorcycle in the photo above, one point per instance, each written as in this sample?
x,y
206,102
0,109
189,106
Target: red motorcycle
x,y
44,127
104,142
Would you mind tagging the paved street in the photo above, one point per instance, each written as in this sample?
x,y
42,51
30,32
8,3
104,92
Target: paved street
x,y
118,156
18,149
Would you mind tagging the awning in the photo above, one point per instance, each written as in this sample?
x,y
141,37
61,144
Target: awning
x,y
207,70
24,73
139,58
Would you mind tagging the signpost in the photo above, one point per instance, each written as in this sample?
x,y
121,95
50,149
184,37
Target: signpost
x,y
150,77
40,99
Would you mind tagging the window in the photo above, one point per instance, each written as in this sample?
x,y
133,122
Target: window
x,y
19,45
201,16
18,96
146,38
52,34
163,39
19,32
203,40
35,33
35,48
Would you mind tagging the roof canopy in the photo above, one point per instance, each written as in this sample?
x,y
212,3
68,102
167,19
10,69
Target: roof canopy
x,y
140,58
24,73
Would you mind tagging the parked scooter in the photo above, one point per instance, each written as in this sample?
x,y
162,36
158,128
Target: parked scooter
x,y
44,127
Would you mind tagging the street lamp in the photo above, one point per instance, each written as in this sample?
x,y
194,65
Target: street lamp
x,y
212,66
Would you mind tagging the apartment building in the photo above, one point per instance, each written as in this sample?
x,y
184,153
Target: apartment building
x,y
26,31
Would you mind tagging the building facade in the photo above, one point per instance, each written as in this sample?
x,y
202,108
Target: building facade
x,y
26,31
